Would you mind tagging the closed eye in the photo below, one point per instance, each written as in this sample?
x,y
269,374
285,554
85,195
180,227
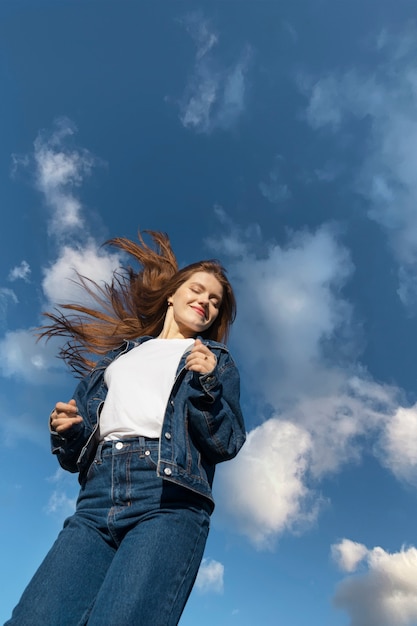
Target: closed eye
x,y
199,289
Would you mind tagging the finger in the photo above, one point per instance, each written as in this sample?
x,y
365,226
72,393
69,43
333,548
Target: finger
x,y
199,346
200,350
62,424
66,407
201,354
201,363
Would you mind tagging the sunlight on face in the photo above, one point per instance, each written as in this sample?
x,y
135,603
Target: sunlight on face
x,y
196,303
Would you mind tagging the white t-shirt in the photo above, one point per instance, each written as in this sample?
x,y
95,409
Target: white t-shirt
x,y
139,383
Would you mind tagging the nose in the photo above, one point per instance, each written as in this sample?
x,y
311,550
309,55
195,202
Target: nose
x,y
203,299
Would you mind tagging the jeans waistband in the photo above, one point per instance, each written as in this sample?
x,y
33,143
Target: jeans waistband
x,y
128,444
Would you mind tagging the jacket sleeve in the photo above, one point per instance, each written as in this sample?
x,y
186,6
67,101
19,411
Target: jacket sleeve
x,y
68,445
215,417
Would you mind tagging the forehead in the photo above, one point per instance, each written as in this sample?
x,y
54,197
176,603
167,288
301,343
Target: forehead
x,y
207,280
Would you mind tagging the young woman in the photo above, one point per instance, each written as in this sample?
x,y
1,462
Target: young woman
x,y
145,428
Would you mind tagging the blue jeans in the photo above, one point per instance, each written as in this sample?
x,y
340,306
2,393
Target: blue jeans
x,y
130,553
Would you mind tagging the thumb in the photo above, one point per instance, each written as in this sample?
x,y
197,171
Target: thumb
x,y
72,402
198,342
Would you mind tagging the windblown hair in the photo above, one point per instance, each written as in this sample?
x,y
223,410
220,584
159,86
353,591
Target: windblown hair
x,y
133,304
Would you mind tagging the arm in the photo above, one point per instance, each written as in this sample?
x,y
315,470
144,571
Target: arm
x,y
68,429
214,413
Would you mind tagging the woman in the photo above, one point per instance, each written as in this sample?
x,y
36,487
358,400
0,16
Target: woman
x,y
146,426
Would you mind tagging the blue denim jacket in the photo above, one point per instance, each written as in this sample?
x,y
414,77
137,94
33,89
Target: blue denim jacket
x,y
203,423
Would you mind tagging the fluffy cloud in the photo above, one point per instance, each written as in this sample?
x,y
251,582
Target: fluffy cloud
x,y
385,593
348,554
63,498
262,491
61,504
398,446
22,356
210,577
58,170
297,346
387,100
58,283
21,271
214,96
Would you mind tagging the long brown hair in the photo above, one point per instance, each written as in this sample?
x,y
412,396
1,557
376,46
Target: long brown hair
x,y
133,304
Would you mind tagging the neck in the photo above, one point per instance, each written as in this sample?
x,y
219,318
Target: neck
x,y
171,330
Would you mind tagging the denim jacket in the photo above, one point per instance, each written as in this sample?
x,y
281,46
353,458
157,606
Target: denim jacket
x,y
203,423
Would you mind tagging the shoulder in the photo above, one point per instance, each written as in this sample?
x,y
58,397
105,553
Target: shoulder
x,y
123,348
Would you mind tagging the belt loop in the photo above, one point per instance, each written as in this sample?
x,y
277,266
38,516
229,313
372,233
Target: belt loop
x,y
98,452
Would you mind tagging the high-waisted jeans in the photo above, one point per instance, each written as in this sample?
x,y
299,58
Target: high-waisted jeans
x,y
130,553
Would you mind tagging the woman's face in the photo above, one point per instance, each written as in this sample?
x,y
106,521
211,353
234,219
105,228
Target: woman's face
x,y
196,303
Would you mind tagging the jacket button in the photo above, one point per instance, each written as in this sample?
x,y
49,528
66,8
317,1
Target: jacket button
x,y
167,435
167,471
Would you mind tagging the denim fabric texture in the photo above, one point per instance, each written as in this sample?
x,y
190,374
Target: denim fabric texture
x,y
130,553
203,423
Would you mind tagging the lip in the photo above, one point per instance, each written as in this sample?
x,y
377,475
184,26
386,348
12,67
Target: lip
x,y
199,310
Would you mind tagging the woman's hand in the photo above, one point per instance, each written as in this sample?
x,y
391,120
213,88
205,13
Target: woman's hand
x,y
201,359
64,416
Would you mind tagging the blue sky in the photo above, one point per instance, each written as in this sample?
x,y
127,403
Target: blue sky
x,y
281,138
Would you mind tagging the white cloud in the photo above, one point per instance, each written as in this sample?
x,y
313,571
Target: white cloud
x,y
201,32
340,415
58,282
324,106
210,577
7,297
348,554
232,102
231,243
59,169
290,295
214,96
398,446
271,466
297,345
61,503
386,99
383,595
21,271
22,356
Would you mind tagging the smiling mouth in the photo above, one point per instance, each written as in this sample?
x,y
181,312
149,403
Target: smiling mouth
x,y
201,312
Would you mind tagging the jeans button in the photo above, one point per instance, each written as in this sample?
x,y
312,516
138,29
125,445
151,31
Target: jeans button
x,y
167,471
119,445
